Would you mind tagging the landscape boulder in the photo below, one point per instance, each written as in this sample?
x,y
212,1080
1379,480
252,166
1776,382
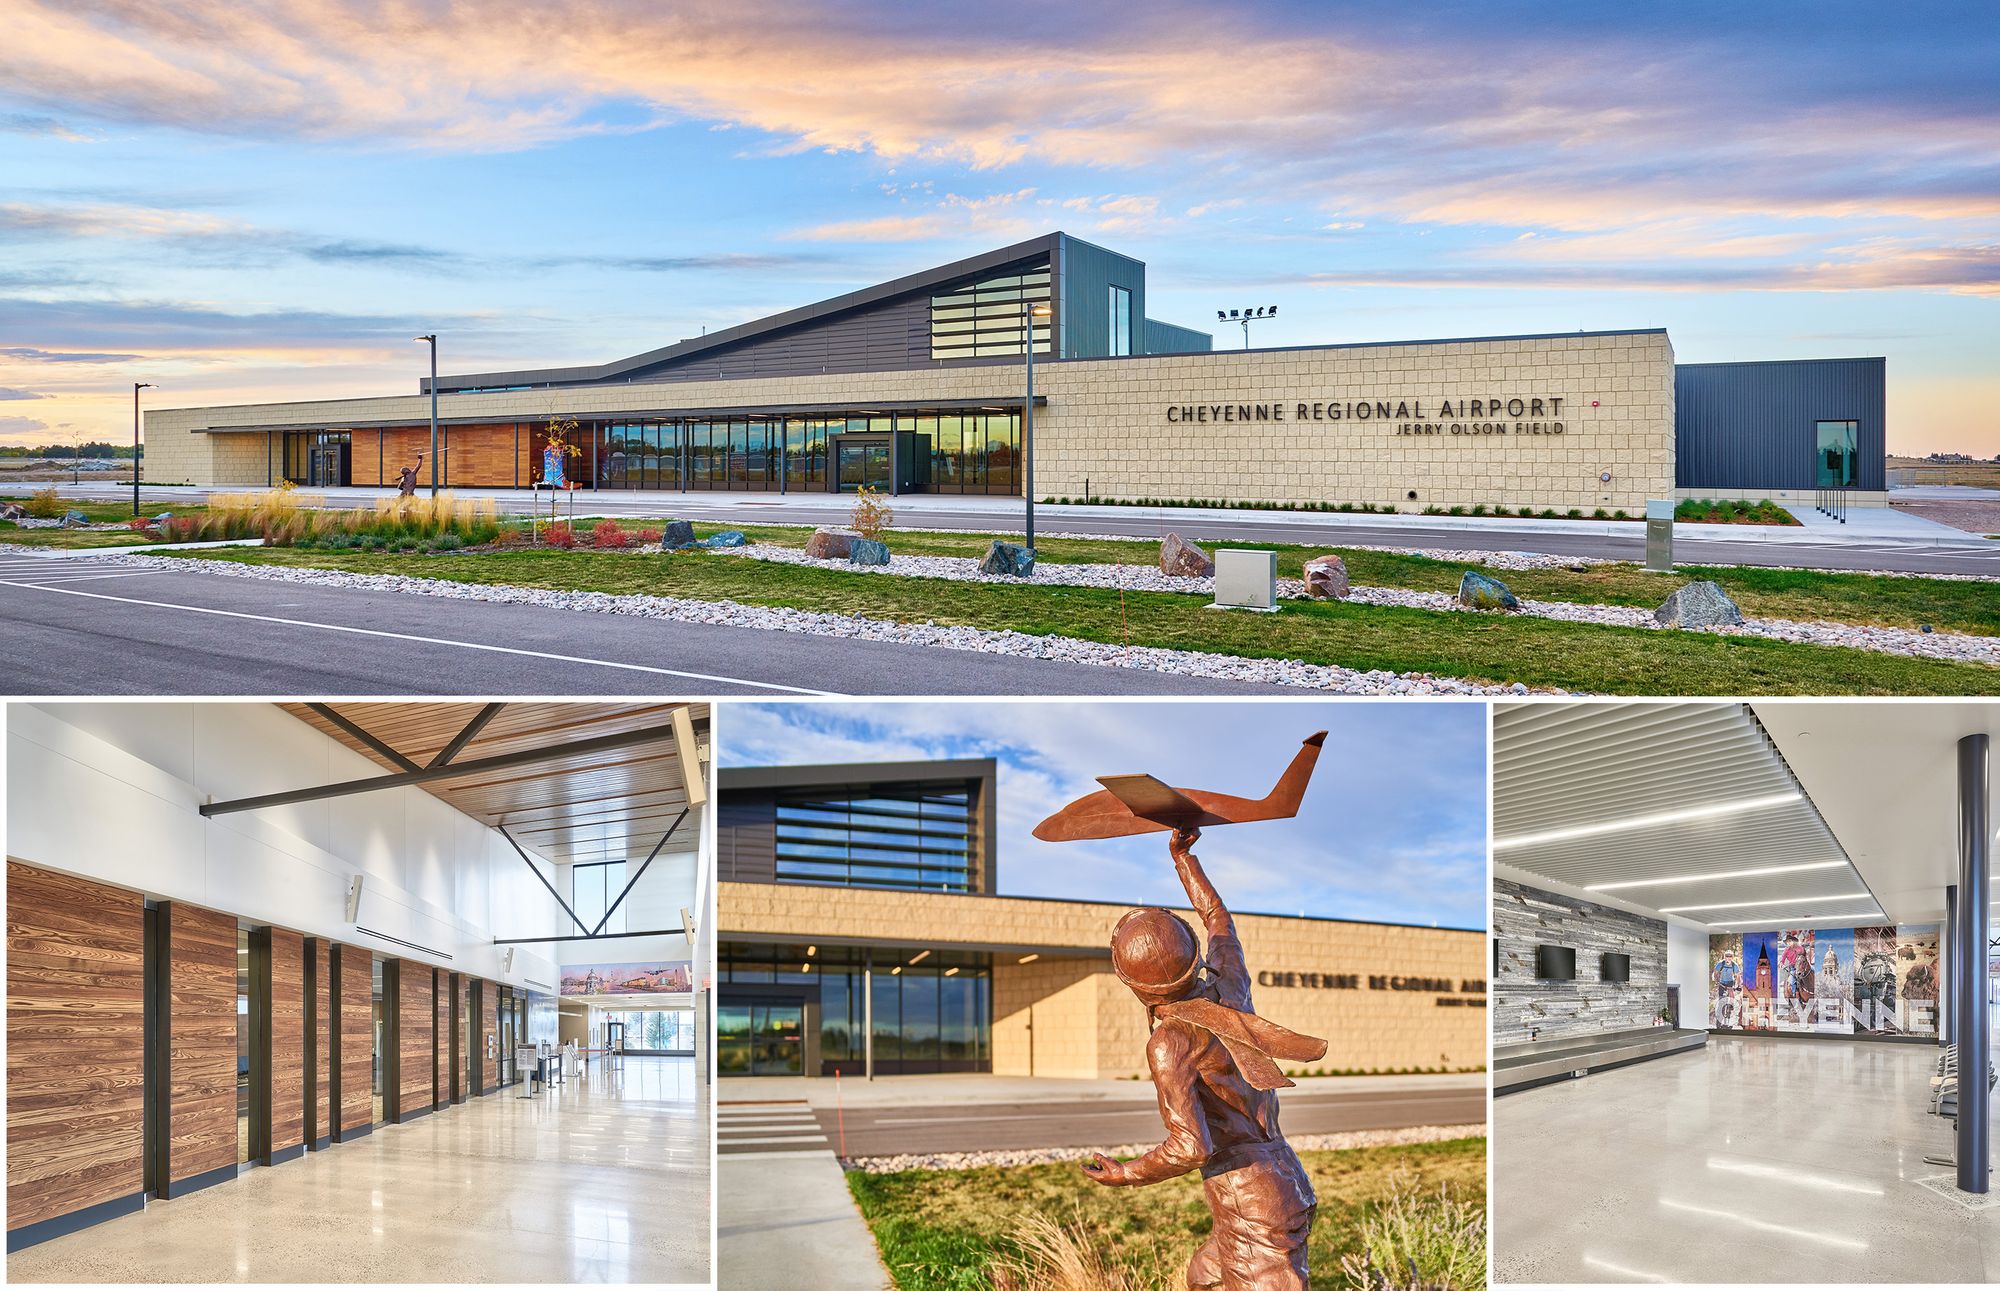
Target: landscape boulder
x,y
75,520
159,521
13,511
678,535
727,538
1326,578
829,544
867,551
1698,605
1482,592
1181,557
1010,559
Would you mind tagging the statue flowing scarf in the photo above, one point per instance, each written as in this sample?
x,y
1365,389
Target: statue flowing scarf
x,y
1252,1041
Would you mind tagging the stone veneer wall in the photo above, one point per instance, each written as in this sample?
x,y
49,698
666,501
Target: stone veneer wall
x,y
1527,1008
1085,1021
1105,422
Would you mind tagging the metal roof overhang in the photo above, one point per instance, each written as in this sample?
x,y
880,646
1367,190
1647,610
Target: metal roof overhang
x,y
745,411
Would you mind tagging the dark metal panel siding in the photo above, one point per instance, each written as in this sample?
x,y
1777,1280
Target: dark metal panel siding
x,y
1085,278
1742,428
1172,338
746,835
890,337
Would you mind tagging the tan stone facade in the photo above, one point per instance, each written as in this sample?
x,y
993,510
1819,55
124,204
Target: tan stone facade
x,y
1368,989
1531,421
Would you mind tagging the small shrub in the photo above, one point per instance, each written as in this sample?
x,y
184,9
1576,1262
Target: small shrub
x,y
648,535
1500,510
558,534
1479,508
1600,514
448,542
1415,1240
1549,513
606,533
871,516
1456,511
1049,1256
1574,513
138,524
44,504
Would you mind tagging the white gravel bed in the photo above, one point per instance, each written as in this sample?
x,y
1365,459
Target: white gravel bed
x,y
1280,672
1949,646
1043,1156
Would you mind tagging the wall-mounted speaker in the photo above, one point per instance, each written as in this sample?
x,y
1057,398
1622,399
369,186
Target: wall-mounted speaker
x,y
507,960
353,898
687,924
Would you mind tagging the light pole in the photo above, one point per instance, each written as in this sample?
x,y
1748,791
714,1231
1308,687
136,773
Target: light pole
x,y
1029,313
1246,317
432,338
137,386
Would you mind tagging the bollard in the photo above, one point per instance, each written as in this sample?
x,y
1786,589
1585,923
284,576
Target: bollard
x,y
1660,535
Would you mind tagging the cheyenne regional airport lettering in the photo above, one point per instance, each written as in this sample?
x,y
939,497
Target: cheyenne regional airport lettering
x,y
1439,986
1532,415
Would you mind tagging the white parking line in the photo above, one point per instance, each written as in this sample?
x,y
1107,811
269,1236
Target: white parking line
x,y
404,636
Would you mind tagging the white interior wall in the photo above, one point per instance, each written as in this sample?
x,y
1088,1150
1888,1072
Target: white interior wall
x,y
1687,967
111,791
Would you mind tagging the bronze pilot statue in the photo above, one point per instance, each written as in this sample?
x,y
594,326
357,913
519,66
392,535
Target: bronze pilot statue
x,y
1210,1055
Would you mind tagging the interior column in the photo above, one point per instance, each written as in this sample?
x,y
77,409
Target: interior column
x,y
1975,1053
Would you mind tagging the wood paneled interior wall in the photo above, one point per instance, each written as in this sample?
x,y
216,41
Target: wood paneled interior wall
x,y
489,1038
416,1026
75,1044
288,1040
356,1053
200,1040
319,1126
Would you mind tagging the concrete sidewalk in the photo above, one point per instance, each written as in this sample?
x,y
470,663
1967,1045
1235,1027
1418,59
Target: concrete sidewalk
x,y
914,1091
785,1220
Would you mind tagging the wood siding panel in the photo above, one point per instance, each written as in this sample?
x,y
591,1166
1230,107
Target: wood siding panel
x,y
489,1038
75,1044
200,1038
416,1024
321,1124
364,460
480,456
357,1038
288,1040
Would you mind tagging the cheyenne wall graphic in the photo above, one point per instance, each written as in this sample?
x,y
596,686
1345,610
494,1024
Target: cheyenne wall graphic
x,y
627,979
1826,981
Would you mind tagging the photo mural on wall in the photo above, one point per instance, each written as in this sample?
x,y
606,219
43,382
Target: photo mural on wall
x,y
1826,981
646,978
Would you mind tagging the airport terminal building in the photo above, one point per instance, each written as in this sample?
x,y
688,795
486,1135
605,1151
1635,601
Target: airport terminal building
x,y
861,932
918,385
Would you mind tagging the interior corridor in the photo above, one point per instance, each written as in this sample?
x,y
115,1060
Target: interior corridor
x,y
1750,1160
603,1178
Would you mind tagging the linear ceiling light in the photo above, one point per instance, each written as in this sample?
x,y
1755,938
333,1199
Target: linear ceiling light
x,y
922,955
1648,822
1781,921
1736,905
1725,874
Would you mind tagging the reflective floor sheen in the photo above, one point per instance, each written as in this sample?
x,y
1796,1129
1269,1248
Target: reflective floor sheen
x,y
599,1180
1752,1161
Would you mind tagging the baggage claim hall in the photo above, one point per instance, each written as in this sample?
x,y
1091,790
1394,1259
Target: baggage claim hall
x,y
357,992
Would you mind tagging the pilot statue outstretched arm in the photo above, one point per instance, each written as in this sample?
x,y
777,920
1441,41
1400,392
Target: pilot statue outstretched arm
x,y
1226,968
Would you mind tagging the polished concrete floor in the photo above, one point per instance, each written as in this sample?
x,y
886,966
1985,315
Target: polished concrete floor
x,y
604,1179
1754,1160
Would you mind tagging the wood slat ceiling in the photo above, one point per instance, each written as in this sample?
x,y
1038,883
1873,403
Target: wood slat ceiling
x,y
604,806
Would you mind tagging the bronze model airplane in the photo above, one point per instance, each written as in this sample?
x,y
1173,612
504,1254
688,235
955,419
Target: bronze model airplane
x,y
1140,804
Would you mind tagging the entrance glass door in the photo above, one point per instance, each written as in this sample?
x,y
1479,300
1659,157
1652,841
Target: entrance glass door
x,y
732,1040
778,1040
860,461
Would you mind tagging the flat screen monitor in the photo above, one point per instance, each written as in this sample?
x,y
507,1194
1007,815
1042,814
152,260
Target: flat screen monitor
x,y
1555,963
1616,968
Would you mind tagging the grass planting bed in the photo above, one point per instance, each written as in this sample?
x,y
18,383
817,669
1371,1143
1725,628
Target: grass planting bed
x,y
1490,648
945,1230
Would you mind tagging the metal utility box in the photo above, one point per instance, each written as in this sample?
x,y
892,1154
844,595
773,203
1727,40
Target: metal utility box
x,y
1246,580
1660,535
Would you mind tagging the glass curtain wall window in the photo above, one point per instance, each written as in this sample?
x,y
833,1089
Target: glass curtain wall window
x,y
1121,321
1838,453
593,888
986,318
933,1009
917,838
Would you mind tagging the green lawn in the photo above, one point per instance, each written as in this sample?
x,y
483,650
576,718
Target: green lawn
x,y
1512,648
939,1229
81,539
1948,605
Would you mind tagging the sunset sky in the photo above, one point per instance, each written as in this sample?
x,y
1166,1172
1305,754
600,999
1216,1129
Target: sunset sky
x,y
267,198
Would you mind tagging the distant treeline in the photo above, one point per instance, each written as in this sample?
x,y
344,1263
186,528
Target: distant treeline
x,y
95,448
